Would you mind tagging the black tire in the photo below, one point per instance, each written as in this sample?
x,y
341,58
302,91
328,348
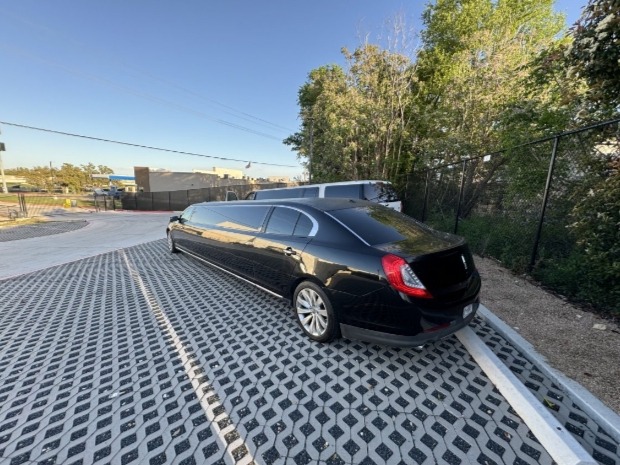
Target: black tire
x,y
171,247
321,322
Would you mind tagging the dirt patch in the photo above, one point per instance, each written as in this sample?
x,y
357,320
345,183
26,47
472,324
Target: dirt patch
x,y
6,223
559,330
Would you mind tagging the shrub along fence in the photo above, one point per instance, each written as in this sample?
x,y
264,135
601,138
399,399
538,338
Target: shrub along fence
x,y
550,208
180,200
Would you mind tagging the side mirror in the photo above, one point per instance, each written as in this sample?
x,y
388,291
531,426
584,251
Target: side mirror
x,y
230,195
174,219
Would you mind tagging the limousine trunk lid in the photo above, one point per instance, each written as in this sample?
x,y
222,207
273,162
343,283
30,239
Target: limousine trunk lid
x,y
447,273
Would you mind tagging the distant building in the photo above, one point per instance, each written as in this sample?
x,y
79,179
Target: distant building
x,y
148,180
223,172
279,179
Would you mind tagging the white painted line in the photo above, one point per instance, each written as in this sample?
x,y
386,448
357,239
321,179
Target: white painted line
x,y
558,442
602,415
186,360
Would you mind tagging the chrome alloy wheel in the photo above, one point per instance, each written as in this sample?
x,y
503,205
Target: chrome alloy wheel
x,y
170,243
311,312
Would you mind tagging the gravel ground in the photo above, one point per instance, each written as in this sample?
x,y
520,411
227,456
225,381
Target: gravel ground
x,y
558,330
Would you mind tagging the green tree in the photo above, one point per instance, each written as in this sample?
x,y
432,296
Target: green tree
x,y
68,176
594,53
473,67
360,117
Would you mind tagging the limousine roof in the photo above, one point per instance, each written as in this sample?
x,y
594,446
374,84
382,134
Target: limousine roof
x,y
323,204
327,184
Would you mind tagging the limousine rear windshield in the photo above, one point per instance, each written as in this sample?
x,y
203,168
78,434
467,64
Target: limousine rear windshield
x,y
378,225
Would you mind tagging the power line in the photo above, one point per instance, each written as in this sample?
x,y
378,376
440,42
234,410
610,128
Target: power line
x,y
137,93
130,144
152,76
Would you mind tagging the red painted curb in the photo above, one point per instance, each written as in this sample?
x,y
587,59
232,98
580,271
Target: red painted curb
x,y
141,211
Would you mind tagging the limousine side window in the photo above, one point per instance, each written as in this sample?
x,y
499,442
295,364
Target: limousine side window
x,y
303,227
311,192
288,222
186,215
242,218
278,194
346,191
282,221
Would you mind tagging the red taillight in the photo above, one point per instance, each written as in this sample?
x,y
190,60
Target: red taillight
x,y
402,278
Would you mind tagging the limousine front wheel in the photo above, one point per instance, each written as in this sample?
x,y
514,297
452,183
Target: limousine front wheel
x,y
171,247
315,313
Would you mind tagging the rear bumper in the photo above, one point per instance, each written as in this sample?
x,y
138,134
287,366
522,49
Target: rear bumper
x,y
397,340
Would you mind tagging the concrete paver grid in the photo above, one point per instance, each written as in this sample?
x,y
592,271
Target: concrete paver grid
x,y
594,439
91,373
38,230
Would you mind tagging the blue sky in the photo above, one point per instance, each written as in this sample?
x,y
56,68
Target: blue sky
x,y
97,68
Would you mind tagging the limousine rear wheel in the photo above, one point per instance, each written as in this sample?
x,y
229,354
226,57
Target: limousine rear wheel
x,y
171,247
315,313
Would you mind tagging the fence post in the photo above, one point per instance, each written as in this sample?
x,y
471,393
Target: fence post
x,y
428,175
135,198
22,204
458,207
544,204
152,206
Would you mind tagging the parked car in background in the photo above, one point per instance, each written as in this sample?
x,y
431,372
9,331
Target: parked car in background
x,y
381,192
349,267
112,192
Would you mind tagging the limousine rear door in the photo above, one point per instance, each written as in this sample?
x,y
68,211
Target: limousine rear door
x,y
224,235
278,249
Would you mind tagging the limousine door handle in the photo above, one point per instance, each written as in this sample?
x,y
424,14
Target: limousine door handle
x,y
289,251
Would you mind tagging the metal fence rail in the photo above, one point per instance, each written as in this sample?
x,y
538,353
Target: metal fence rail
x,y
180,200
520,205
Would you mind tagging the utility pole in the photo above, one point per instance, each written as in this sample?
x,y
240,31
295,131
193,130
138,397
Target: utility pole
x,y
3,149
310,157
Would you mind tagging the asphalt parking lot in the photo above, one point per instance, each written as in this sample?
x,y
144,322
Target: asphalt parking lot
x,y
140,356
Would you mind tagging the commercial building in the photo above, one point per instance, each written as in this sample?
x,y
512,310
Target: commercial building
x,y
223,173
148,180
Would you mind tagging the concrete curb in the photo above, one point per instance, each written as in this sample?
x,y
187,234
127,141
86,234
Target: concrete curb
x,y
559,443
606,418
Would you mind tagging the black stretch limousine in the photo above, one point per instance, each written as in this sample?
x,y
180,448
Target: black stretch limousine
x,y
350,267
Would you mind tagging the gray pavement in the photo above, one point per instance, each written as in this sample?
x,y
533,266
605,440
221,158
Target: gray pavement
x,y
140,356
135,355
105,232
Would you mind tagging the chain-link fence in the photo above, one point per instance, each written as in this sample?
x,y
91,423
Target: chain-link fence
x,y
30,204
534,208
180,200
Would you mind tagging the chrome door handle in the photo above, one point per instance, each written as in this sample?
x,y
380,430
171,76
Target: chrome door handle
x,y
289,251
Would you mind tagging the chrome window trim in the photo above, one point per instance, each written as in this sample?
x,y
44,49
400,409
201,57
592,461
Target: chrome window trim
x,y
346,227
185,251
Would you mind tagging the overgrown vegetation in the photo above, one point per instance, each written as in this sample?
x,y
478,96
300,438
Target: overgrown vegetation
x,y
489,75
69,177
